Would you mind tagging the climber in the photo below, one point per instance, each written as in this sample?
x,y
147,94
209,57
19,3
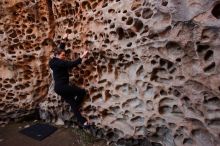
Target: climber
x,y
71,94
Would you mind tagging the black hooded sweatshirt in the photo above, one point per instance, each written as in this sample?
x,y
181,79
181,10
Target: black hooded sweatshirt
x,y
61,69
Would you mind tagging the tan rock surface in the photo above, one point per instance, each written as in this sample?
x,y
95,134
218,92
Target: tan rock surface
x,y
152,71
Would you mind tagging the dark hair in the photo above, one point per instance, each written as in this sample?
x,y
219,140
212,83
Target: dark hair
x,y
58,51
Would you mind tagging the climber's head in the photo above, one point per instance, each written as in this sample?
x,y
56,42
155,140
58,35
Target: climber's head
x,y
60,53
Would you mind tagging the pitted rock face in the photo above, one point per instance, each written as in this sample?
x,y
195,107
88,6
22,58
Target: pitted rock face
x,y
152,69
24,33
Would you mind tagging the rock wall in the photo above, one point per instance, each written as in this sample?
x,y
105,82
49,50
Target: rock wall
x,y
24,31
152,70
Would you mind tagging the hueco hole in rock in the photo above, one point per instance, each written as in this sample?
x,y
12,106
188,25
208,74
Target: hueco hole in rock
x,y
152,71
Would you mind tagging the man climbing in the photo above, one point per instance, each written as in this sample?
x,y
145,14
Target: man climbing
x,y
71,94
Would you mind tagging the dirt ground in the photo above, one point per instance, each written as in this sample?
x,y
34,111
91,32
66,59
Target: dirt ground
x,y
63,136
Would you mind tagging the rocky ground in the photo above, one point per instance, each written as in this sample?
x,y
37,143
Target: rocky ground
x,y
65,136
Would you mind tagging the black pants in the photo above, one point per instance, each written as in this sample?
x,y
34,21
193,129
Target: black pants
x,y
74,96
